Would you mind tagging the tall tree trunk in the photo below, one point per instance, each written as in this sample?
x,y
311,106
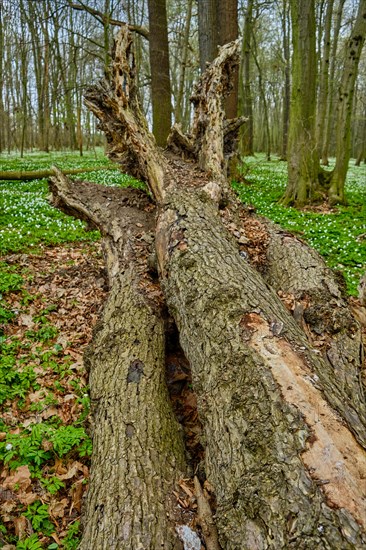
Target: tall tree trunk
x,y
246,107
208,32
178,111
24,81
106,31
264,101
159,65
2,90
362,147
69,82
284,435
46,83
329,126
227,21
324,76
285,16
344,107
303,160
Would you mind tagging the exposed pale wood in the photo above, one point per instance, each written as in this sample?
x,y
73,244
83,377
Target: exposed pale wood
x,y
319,302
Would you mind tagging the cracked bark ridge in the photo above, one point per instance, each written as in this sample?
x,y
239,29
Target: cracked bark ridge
x,y
137,446
265,447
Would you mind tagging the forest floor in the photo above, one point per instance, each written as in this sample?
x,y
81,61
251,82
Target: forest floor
x,y
52,287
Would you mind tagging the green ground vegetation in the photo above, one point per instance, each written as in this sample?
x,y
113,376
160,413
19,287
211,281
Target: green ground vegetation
x,y
27,219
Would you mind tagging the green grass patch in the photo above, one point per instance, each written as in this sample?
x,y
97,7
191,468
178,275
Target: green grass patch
x,y
336,235
27,219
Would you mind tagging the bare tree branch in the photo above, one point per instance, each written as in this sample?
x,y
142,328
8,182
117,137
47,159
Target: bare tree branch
x,y
102,18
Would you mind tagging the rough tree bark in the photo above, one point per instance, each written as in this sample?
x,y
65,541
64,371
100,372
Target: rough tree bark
x,y
136,440
283,419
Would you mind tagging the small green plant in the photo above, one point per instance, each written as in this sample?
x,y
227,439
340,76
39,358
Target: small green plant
x,y
15,380
9,280
6,315
43,334
38,515
30,543
27,447
52,484
72,539
68,437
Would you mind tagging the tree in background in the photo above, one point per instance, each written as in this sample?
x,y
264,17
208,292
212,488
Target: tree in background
x,y
306,181
218,25
303,158
286,30
323,93
246,105
346,91
208,32
329,115
160,75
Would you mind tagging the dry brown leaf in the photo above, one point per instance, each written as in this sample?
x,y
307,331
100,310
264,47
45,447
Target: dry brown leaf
x,y
28,498
7,508
26,320
60,467
7,495
56,508
185,488
36,397
72,471
20,526
69,397
77,493
19,480
47,445
50,411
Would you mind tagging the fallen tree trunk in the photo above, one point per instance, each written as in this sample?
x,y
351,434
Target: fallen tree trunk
x,y
136,440
275,448
10,175
284,441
